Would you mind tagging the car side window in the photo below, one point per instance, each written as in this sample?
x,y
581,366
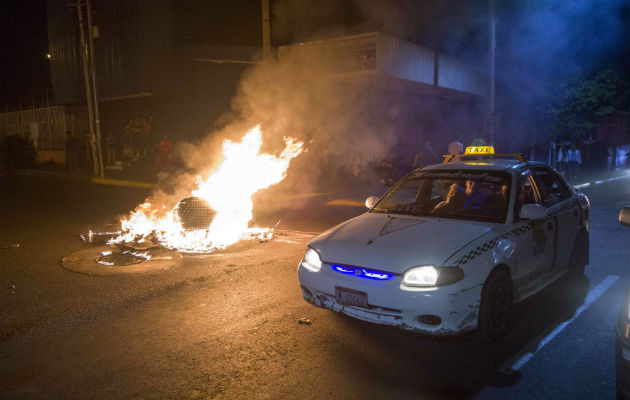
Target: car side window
x,y
552,190
525,193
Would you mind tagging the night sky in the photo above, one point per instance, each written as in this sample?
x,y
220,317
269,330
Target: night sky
x,y
24,69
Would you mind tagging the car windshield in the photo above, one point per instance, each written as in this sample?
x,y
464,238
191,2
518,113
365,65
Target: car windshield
x,y
469,195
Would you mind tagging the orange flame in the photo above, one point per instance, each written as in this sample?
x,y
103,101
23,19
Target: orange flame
x,y
228,190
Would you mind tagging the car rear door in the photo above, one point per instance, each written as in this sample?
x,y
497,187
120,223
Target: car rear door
x,y
562,207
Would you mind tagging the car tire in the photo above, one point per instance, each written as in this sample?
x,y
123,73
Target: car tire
x,y
496,306
578,257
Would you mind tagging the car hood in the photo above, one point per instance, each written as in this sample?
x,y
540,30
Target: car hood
x,y
395,243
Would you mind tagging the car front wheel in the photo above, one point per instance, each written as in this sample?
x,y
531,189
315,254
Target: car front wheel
x,y
496,306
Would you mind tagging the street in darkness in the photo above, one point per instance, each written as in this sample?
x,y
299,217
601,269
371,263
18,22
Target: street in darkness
x,y
226,325
185,185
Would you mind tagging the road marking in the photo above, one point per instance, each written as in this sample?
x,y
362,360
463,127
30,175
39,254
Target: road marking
x,y
345,202
299,196
592,295
293,237
298,232
587,184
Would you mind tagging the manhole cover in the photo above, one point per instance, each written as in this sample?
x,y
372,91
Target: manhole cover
x,y
114,260
121,259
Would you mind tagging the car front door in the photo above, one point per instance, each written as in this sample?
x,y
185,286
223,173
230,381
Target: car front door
x,y
563,207
534,240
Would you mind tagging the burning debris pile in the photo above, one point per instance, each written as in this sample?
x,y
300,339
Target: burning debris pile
x,y
220,209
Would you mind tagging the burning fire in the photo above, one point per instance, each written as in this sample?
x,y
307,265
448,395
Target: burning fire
x,y
228,190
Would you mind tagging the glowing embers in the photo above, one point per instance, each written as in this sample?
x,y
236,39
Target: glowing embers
x,y
362,272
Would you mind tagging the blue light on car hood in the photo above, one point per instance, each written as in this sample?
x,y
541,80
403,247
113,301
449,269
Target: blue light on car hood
x,y
362,272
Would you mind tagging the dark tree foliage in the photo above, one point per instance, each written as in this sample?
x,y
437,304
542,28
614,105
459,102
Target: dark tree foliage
x,y
16,153
577,103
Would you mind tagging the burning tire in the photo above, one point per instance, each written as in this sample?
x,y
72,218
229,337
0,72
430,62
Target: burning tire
x,y
195,213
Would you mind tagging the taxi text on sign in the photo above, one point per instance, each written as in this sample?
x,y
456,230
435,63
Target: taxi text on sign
x,y
480,150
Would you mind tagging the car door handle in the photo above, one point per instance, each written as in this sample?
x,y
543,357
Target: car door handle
x,y
550,226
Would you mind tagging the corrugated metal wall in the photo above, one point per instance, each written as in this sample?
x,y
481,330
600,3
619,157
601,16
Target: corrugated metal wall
x,y
63,42
134,48
133,51
453,74
394,57
405,60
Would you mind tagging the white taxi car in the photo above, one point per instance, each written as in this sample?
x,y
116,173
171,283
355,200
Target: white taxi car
x,y
452,247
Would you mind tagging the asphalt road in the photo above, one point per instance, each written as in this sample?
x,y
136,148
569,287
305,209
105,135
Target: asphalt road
x,y
225,325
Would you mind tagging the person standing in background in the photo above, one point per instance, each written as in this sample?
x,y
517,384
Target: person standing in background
x,y
574,162
562,163
72,152
145,132
479,142
425,156
110,148
456,147
164,159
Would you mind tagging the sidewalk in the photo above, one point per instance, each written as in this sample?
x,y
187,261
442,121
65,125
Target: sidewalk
x,y
116,179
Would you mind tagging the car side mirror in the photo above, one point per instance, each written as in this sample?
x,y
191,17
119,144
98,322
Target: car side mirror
x,y
624,216
371,201
533,211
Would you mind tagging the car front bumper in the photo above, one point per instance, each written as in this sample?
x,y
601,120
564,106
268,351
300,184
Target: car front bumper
x,y
390,303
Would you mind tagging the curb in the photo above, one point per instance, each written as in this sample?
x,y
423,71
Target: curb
x,y
118,182
87,179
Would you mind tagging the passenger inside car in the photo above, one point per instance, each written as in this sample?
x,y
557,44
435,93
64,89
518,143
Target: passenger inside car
x,y
455,200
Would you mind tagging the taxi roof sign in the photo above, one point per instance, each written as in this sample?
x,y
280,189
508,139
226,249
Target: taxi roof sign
x,y
481,150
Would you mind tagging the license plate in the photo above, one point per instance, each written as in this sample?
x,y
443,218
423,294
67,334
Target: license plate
x,y
351,297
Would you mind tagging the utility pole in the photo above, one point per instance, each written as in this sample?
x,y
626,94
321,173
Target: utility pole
x,y
492,44
88,91
266,30
94,92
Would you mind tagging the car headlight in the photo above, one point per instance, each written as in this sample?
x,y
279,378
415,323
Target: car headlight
x,y
312,261
429,275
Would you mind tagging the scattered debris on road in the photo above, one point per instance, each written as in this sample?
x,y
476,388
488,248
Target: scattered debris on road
x,y
98,237
304,321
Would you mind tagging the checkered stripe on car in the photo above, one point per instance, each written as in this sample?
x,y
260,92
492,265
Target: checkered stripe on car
x,y
570,205
482,248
